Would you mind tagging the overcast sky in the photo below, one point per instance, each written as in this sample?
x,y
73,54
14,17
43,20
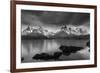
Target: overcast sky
x,y
53,20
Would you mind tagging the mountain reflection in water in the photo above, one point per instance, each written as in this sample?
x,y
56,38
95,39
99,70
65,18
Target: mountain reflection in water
x,y
31,48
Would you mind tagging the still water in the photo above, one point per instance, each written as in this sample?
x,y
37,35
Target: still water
x,y
32,47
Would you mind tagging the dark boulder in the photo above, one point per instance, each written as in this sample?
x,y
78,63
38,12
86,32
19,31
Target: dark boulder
x,y
42,56
46,56
88,44
89,50
57,55
67,50
37,57
22,58
63,48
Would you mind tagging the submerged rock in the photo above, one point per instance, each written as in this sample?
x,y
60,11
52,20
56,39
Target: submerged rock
x,y
57,55
46,56
22,58
88,44
67,50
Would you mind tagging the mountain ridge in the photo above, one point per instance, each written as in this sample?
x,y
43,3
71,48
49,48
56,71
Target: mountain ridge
x,y
39,32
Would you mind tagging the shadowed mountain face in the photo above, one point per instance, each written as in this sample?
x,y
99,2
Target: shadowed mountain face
x,y
36,35
61,34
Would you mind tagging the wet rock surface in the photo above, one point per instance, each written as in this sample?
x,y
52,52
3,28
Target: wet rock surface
x,y
65,50
22,59
46,56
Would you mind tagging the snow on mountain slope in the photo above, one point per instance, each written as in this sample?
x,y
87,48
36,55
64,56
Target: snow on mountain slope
x,y
64,31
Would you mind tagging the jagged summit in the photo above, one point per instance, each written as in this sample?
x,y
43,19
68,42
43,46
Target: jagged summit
x,y
64,31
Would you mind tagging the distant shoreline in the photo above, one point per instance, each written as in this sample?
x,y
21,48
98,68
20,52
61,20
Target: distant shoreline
x,y
26,37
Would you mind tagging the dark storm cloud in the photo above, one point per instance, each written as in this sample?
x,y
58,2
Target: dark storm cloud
x,y
31,18
53,18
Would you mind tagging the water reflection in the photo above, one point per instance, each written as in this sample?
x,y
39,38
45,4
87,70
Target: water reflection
x,y
37,46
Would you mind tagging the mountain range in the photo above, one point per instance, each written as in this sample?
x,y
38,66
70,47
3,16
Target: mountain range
x,y
39,32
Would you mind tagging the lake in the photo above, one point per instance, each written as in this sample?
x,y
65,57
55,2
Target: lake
x,y
30,48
